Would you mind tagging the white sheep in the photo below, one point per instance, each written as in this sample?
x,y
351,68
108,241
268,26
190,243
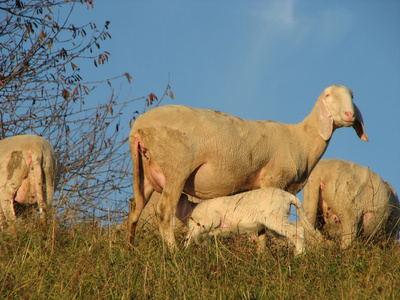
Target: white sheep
x,y
28,174
343,198
207,154
248,212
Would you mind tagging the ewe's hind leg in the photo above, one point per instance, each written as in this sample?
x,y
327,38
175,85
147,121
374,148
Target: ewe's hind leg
x,y
136,206
38,183
50,186
168,202
294,233
142,188
7,206
168,154
3,221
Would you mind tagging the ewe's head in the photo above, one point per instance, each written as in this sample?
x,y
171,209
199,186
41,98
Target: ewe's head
x,y
336,109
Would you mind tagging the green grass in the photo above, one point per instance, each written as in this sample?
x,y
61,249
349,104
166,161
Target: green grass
x,y
88,262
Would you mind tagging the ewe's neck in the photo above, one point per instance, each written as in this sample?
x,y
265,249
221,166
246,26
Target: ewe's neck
x,y
314,145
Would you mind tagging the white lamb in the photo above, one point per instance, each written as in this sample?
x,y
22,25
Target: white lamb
x,y
248,212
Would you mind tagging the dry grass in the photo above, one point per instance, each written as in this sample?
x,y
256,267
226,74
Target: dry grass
x,y
88,262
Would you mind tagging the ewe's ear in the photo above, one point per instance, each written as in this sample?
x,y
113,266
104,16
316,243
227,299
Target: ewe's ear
x,y
391,188
359,124
325,118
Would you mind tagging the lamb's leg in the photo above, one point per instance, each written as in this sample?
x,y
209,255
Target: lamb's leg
x,y
306,224
298,238
294,233
261,241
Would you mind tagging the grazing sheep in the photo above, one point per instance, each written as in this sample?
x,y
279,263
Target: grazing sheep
x,y
341,198
207,154
28,175
248,212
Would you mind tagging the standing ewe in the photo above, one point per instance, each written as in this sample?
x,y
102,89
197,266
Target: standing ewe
x,y
28,173
248,212
341,197
209,154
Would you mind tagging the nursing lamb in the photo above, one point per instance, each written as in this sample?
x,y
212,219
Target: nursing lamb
x,y
248,212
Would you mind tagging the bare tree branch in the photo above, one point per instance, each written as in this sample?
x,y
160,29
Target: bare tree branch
x,y
42,92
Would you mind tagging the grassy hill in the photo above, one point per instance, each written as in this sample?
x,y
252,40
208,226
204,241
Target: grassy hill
x,y
86,261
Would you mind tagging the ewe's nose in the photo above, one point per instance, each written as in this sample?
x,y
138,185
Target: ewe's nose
x,y
349,114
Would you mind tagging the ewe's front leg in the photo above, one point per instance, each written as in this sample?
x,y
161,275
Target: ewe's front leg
x,y
349,218
348,235
2,219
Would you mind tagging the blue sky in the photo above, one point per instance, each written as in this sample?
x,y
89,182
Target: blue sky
x,y
264,60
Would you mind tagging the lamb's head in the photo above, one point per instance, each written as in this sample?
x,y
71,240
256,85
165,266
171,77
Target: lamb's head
x,y
336,109
184,208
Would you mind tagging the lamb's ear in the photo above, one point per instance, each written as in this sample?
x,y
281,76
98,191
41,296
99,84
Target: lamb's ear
x,y
184,208
359,124
325,118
